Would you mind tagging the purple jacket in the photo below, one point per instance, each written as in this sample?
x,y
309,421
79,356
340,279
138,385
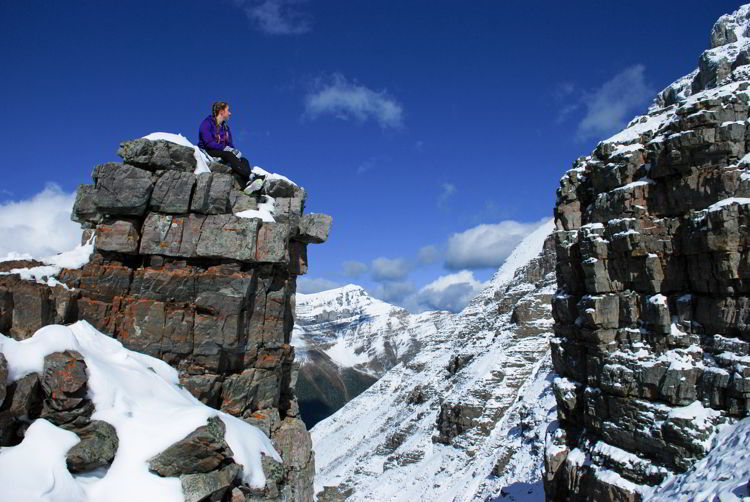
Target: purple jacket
x,y
212,136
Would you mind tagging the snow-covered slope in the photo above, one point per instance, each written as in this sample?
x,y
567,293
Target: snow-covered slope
x,y
724,474
466,416
345,340
140,396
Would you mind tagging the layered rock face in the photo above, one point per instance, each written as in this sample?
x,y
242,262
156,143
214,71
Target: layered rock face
x,y
178,273
652,312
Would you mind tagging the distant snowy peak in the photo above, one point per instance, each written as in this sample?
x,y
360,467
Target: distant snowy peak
x,y
349,295
345,339
342,304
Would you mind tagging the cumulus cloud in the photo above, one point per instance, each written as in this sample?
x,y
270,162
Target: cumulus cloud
x,y
609,107
39,226
307,285
349,100
277,17
485,246
394,292
449,292
389,269
446,191
428,254
353,268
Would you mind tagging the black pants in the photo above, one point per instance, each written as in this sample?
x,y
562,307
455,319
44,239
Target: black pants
x,y
239,166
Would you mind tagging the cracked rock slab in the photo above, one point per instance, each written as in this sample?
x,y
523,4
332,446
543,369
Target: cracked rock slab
x,y
122,189
201,451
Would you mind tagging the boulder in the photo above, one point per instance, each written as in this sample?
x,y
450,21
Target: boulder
x,y
158,155
314,228
211,194
218,167
64,385
251,390
278,187
240,201
84,208
32,309
209,486
23,402
172,192
203,450
122,189
228,236
288,210
24,397
295,446
120,236
169,235
96,449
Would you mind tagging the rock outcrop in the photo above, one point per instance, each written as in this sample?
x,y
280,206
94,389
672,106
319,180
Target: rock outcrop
x,y
652,312
189,269
59,395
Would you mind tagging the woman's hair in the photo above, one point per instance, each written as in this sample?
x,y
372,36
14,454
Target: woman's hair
x,y
217,107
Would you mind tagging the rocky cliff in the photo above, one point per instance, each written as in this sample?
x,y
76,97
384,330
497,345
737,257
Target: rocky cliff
x,y
652,311
189,269
464,417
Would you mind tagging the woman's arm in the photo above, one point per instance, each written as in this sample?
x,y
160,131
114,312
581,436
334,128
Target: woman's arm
x,y
208,138
229,137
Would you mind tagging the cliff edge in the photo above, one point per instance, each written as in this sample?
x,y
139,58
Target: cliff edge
x,y
652,310
189,269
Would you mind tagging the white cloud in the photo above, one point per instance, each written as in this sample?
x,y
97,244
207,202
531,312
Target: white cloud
x,y
307,285
609,107
449,292
389,269
446,191
371,163
394,292
39,226
486,246
347,100
276,17
353,268
428,254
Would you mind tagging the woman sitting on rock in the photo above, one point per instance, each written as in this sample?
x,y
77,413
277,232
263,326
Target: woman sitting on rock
x,y
216,139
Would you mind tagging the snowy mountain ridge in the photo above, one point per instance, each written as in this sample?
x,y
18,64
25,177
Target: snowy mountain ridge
x,y
466,415
345,340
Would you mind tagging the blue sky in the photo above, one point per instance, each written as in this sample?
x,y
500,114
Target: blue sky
x,y
435,132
